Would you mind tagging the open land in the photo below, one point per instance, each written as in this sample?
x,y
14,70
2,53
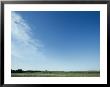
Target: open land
x,y
57,74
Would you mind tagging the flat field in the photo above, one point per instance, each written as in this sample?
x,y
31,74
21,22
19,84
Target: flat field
x,y
58,74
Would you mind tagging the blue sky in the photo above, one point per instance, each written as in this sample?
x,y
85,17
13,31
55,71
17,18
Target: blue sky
x,y
64,40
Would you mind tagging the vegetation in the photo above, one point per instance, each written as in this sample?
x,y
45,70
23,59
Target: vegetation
x,y
17,71
46,73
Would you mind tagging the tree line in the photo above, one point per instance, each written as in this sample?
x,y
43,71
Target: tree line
x,y
21,71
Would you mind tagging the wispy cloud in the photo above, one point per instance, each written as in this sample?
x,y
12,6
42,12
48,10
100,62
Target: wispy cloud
x,y
54,49
25,48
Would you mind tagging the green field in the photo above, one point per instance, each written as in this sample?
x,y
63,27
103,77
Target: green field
x,y
57,74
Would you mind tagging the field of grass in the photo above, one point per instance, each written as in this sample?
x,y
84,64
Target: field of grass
x,y
57,74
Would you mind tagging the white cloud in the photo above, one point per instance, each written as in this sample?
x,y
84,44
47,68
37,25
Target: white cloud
x,y
25,49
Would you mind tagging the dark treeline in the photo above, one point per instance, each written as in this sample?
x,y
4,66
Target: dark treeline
x,y
32,71
45,71
22,71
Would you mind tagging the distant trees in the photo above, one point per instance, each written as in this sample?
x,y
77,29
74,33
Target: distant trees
x,y
12,71
17,71
21,71
46,70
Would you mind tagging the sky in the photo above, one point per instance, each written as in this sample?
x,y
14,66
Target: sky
x,y
55,40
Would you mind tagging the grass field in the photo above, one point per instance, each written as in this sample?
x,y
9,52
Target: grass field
x,y
57,74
